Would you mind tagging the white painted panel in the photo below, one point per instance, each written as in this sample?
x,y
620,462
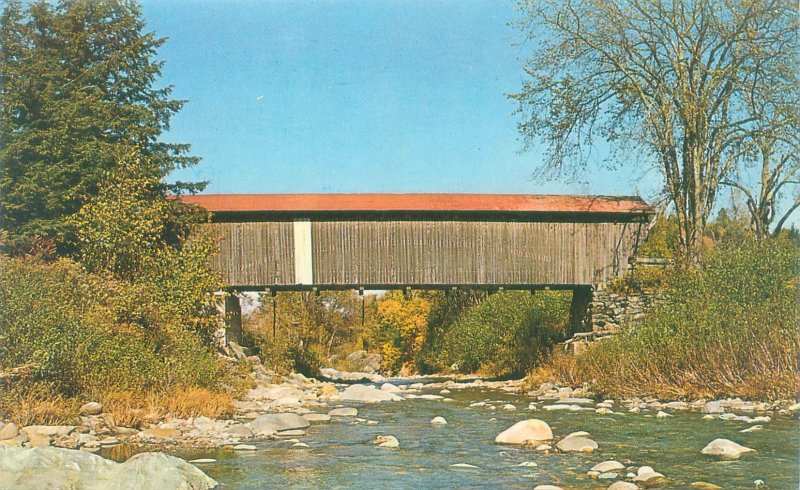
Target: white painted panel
x,y
303,272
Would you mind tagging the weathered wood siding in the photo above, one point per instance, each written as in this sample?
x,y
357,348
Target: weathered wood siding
x,y
255,253
470,252
430,252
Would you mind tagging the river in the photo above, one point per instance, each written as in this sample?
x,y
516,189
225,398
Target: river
x,y
341,455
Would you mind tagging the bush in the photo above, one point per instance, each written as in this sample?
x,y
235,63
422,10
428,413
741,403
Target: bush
x,y
508,333
729,328
400,333
86,334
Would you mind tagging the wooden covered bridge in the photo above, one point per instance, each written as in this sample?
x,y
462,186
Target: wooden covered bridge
x,y
274,242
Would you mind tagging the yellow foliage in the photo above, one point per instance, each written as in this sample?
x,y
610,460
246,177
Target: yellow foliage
x,y
402,323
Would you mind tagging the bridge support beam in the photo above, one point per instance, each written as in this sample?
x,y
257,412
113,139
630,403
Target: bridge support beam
x,y
230,311
580,312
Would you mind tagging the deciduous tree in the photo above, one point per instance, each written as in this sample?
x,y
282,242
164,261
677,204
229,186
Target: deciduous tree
x,y
667,80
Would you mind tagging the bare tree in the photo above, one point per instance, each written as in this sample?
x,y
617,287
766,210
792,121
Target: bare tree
x,y
667,80
775,143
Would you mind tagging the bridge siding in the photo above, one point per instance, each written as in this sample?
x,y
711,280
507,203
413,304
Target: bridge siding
x,y
445,252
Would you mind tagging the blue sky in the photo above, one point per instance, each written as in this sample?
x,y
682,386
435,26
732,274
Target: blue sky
x,y
354,96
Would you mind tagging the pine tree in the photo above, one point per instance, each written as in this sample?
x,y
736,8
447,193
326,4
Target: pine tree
x,y
77,85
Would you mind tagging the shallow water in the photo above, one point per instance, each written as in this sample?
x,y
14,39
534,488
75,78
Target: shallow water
x,y
341,455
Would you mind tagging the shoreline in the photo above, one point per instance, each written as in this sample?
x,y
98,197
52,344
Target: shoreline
x,y
283,409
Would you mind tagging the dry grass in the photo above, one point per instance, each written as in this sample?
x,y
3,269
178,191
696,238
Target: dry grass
x,y
38,405
560,367
128,409
196,402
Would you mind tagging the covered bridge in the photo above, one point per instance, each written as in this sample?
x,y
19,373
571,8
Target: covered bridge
x,y
396,241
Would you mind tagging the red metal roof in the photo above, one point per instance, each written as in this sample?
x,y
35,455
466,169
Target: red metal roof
x,y
524,203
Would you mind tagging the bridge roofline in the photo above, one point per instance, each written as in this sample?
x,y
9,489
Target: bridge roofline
x,y
423,204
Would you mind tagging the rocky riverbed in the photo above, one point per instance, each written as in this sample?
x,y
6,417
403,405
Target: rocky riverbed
x,y
299,422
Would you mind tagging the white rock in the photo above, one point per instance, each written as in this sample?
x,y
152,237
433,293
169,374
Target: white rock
x,y
91,408
623,485
524,431
715,406
386,441
528,464
244,447
576,444
509,407
429,396
203,460
556,407
367,394
648,476
604,411
477,404
9,431
439,421
463,465
543,447
727,449
752,429
344,412
300,445
270,423
47,467
389,387
547,487
607,466
662,415
317,417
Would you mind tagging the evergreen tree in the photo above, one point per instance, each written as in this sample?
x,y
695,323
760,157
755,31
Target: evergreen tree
x,y
77,84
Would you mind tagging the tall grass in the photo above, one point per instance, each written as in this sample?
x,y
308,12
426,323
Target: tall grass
x,y
729,328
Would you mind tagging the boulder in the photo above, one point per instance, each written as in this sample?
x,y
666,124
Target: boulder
x,y
607,466
622,485
91,408
9,431
390,388
317,417
270,423
386,441
47,467
705,485
344,412
48,430
524,431
715,406
727,449
647,476
439,421
239,430
576,444
367,394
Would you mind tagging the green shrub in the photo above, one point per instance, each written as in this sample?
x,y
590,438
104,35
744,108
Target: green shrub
x,y
88,334
508,333
729,328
